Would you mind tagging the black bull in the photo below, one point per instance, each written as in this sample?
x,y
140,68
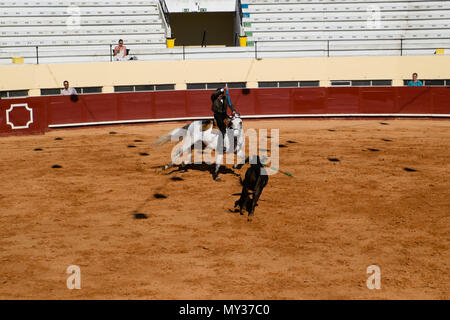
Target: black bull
x,y
256,179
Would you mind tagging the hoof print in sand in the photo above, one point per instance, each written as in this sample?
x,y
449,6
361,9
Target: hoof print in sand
x,y
140,216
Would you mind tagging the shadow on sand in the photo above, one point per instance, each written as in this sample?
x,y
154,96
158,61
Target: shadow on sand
x,y
203,167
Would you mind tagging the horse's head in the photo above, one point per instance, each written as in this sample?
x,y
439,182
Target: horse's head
x,y
236,122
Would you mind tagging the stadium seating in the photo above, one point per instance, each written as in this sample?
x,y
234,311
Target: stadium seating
x,y
274,28
65,33
283,28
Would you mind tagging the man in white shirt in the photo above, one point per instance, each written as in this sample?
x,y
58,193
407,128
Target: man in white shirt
x,y
67,91
120,52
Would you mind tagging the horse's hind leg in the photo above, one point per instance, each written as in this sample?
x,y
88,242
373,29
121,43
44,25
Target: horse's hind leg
x,y
187,145
189,155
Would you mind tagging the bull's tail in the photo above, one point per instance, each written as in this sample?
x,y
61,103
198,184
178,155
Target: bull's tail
x,y
178,132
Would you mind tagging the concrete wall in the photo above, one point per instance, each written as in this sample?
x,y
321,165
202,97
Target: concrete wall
x,y
109,74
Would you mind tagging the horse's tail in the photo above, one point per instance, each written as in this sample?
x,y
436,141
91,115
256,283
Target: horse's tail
x,y
178,132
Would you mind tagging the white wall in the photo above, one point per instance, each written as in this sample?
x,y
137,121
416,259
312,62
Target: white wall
x,y
181,72
195,5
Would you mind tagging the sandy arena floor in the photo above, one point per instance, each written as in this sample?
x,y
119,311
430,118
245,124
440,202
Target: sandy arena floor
x,y
312,237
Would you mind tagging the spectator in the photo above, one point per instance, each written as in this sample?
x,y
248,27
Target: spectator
x,y
68,91
415,82
120,52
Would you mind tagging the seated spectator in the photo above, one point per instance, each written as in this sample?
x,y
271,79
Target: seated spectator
x,y
68,91
415,82
120,52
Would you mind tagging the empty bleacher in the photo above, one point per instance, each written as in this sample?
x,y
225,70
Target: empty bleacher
x,y
85,31
286,28
78,31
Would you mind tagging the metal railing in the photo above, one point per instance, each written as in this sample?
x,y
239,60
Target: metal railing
x,y
204,39
165,13
241,26
241,15
258,50
165,10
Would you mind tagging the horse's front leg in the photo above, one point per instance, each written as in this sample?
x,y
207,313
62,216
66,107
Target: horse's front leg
x,y
239,153
219,159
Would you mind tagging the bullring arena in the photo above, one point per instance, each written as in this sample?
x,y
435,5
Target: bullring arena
x,y
358,209
312,237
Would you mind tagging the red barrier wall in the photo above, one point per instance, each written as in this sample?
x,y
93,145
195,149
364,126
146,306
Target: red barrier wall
x,y
23,116
61,110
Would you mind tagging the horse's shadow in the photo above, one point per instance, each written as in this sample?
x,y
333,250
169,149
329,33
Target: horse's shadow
x,y
208,167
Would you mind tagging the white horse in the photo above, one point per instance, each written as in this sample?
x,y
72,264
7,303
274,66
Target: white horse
x,y
194,134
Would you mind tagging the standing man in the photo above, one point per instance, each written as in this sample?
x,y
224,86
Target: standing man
x,y
415,82
220,107
68,91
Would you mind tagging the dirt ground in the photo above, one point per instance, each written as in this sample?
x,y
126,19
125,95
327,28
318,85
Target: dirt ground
x,y
312,237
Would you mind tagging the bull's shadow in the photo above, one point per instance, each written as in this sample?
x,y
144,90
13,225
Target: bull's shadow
x,y
208,167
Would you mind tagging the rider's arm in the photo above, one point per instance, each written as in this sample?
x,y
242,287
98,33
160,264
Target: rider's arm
x,y
228,101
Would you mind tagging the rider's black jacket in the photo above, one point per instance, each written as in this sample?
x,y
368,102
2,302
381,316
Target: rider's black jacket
x,y
220,106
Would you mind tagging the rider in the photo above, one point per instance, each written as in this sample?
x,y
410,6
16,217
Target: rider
x,y
220,106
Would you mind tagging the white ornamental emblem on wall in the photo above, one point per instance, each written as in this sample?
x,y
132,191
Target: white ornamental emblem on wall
x,y
19,105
